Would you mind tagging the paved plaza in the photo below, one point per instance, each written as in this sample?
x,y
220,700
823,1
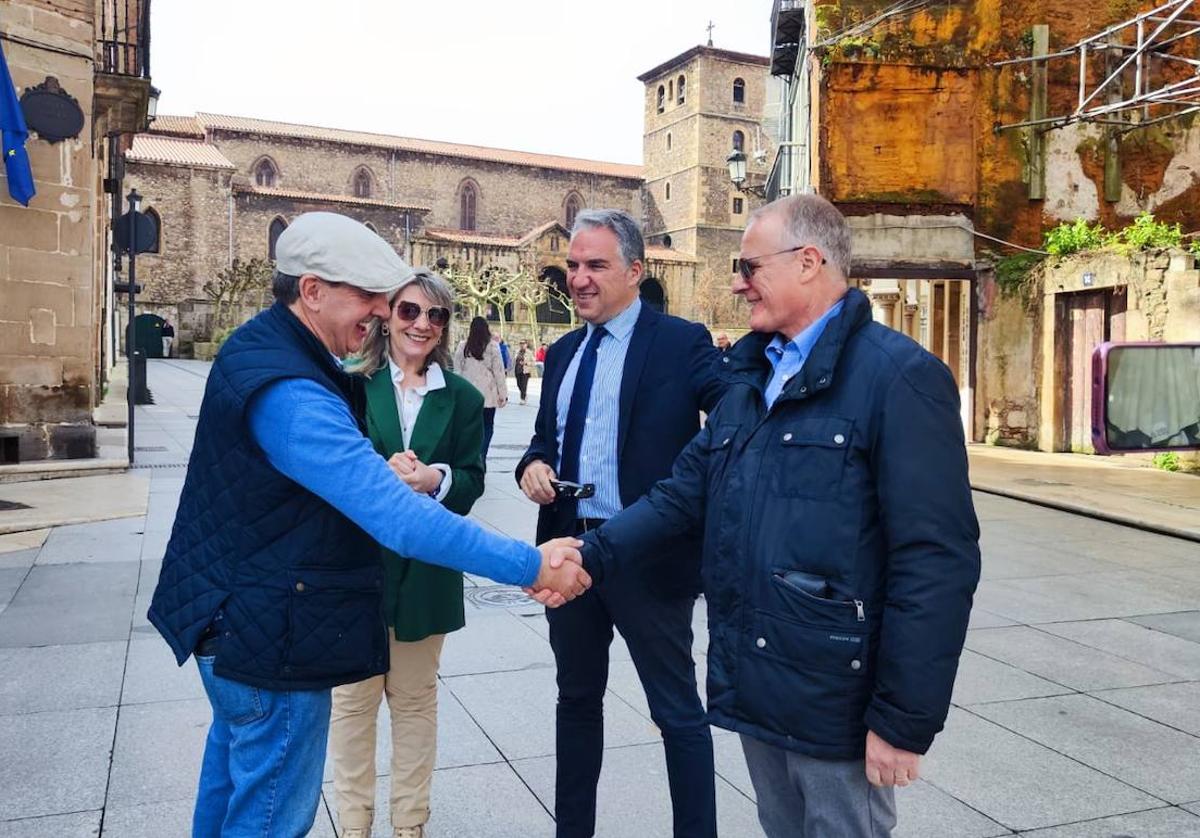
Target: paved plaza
x,y
1076,712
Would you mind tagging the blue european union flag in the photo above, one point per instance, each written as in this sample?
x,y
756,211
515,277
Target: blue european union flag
x,y
14,133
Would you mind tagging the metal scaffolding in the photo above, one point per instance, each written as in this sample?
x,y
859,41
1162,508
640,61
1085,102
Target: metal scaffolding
x,y
1149,71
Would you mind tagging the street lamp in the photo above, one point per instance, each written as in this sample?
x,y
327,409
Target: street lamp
x,y
152,104
134,384
737,174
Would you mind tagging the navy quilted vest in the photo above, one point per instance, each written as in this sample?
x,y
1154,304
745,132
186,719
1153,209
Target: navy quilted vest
x,y
292,585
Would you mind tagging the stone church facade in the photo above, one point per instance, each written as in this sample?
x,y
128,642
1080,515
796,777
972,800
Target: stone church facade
x,y
222,189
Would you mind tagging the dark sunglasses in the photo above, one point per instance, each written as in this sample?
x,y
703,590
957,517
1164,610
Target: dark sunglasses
x,y
747,267
410,312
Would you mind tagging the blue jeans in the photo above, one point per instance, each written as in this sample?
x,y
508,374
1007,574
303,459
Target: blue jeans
x,y
263,761
489,425
658,632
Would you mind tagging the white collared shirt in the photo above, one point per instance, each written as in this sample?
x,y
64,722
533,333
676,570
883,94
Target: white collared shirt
x,y
408,407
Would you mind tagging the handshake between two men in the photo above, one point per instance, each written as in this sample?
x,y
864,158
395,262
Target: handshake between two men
x,y
561,578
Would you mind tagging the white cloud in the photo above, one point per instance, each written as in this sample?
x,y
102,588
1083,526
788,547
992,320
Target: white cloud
x,y
538,75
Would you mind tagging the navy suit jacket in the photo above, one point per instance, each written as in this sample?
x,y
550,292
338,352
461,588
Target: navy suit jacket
x,y
671,375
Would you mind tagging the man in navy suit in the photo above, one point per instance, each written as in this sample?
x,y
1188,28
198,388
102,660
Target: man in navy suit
x,y
620,399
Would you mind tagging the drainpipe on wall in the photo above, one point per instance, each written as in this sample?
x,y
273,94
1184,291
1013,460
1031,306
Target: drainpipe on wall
x,y
230,214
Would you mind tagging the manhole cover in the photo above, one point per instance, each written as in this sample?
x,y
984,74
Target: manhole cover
x,y
10,505
150,448
158,465
500,596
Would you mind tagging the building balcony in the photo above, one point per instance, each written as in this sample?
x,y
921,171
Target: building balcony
x,y
787,36
123,90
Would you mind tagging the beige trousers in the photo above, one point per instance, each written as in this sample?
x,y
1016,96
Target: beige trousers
x,y
410,687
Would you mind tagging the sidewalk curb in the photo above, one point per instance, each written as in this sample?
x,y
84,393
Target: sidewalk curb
x,y
1086,511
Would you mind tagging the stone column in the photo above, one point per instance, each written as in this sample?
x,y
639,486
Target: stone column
x,y
885,303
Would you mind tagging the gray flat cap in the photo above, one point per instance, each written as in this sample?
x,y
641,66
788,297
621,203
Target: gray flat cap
x,y
339,249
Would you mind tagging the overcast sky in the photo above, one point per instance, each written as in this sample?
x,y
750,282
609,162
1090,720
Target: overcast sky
x,y
553,76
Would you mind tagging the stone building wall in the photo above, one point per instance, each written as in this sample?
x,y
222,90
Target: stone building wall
x,y
49,335
511,198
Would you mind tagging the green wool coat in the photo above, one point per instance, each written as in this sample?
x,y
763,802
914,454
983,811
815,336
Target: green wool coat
x,y
422,599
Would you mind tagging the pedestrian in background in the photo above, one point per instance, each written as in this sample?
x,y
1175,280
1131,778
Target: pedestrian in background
x,y
841,547
168,337
539,359
521,366
505,356
723,343
434,419
477,359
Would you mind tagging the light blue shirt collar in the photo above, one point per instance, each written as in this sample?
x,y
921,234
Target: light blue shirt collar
x,y
621,326
806,340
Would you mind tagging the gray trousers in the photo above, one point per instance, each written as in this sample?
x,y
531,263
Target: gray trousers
x,y
803,797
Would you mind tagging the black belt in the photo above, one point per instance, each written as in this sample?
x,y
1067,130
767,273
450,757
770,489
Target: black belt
x,y
583,525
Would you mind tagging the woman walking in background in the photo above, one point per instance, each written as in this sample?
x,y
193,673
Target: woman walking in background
x,y
521,366
434,418
478,360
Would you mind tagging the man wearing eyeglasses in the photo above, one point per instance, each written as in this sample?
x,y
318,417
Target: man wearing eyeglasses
x,y
620,399
840,541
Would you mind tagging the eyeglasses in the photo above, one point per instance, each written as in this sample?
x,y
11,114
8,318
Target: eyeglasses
x,y
746,267
409,312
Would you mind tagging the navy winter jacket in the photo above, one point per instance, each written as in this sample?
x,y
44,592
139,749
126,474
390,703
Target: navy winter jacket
x,y
293,586
840,541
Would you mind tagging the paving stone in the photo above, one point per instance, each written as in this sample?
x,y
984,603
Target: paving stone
x,y
730,761
10,581
1018,783
516,711
1150,553
475,800
158,752
981,618
1021,560
19,559
1099,735
494,642
75,825
1159,545
516,517
1158,823
62,604
61,677
633,790
983,679
925,811
151,674
103,541
65,764
1185,624
18,542
1061,661
1174,705
174,818
1119,593
1155,649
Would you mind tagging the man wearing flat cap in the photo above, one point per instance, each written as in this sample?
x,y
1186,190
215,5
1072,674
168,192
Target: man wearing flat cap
x,y
271,578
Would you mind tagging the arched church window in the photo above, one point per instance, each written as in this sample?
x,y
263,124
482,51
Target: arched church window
x,y
468,200
363,183
571,209
265,173
278,225
662,96
739,91
682,89
739,141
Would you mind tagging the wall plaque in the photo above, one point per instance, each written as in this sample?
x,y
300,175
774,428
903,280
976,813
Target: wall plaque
x,y
52,112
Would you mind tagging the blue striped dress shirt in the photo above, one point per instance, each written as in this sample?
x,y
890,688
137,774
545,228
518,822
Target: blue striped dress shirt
x,y
598,452
787,357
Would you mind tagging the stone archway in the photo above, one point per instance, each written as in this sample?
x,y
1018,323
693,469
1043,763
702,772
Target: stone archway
x,y
653,295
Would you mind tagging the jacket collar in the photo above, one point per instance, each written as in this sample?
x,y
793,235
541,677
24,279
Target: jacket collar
x,y
746,361
383,417
349,386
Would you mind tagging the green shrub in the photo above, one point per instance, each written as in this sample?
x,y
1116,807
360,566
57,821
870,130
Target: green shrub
x,y
1072,238
1167,461
1145,233
1012,272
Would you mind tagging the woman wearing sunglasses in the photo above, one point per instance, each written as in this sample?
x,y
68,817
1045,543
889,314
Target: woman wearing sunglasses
x,y
478,360
434,419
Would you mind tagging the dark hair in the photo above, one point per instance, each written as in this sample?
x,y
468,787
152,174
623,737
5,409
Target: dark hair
x,y
478,338
285,287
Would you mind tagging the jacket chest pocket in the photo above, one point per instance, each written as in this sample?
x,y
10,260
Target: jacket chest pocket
x,y
810,456
722,441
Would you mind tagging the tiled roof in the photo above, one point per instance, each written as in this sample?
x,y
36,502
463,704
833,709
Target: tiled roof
x,y
319,197
665,254
711,52
148,148
238,124
471,237
177,126
538,232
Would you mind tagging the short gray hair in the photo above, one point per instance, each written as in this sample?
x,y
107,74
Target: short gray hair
x,y
811,219
285,287
621,224
374,353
